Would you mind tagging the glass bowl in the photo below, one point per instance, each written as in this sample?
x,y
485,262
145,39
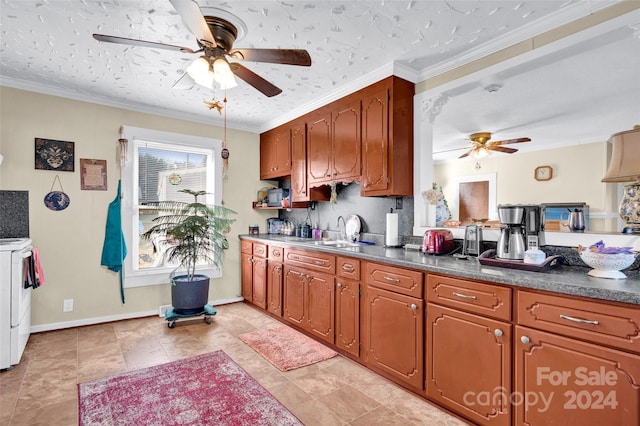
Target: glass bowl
x,y
607,265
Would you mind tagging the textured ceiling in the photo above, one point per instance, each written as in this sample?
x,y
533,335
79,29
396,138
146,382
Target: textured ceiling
x,y
46,46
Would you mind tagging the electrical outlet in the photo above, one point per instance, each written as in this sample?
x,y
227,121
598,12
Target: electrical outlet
x,y
67,305
398,203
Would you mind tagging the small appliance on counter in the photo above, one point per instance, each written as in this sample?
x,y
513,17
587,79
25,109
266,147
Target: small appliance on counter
x,y
274,225
437,241
520,229
472,245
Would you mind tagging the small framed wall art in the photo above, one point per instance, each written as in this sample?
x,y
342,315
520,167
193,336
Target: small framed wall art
x,y
93,174
54,155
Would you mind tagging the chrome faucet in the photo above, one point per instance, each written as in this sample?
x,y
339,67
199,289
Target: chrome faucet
x,y
343,230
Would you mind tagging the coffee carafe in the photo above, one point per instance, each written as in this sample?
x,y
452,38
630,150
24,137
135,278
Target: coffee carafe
x,y
511,242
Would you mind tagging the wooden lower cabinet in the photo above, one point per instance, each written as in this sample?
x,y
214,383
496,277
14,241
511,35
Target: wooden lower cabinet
x,y
259,293
468,364
392,335
564,381
274,288
246,273
347,315
308,301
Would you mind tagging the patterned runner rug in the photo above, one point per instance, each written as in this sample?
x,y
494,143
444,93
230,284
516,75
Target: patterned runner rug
x,y
209,389
286,348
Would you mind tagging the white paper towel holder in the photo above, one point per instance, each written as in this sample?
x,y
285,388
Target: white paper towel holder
x,y
396,232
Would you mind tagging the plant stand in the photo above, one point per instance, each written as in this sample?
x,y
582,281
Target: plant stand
x,y
171,316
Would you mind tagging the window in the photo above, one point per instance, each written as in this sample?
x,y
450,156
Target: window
x,y
159,165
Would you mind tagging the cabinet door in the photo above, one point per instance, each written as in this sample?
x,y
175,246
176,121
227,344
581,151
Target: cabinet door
x,y
275,153
274,288
345,141
293,300
260,282
375,141
469,357
393,335
575,382
347,317
299,190
319,305
319,148
247,276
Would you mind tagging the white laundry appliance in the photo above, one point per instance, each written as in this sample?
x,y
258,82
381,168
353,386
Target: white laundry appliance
x,y
15,300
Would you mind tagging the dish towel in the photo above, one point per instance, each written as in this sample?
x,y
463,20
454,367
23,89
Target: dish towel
x,y
114,248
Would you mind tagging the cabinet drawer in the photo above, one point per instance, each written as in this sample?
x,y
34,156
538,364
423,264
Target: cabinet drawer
x,y
276,253
480,298
310,259
259,250
394,279
610,325
348,268
246,246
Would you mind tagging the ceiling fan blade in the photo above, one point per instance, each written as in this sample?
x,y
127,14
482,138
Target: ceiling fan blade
x,y
274,56
185,82
192,17
255,80
466,154
134,42
502,149
508,141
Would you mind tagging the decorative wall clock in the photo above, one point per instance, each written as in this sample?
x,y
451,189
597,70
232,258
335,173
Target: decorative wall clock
x,y
543,173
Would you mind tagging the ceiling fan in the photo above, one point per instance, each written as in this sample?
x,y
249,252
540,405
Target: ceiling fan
x,y
480,145
215,37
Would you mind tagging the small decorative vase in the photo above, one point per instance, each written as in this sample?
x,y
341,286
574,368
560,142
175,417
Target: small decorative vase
x,y
442,213
431,214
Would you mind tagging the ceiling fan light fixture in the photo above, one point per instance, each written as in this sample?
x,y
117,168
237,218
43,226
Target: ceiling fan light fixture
x,y
200,72
222,74
480,152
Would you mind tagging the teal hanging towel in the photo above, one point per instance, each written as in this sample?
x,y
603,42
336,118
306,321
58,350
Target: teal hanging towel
x,y
114,248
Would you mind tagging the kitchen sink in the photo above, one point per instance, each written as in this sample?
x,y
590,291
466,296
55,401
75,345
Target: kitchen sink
x,y
336,243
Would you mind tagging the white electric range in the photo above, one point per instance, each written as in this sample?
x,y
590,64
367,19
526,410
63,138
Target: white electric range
x,y
15,300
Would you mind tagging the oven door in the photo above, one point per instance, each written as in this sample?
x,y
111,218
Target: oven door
x,y
20,296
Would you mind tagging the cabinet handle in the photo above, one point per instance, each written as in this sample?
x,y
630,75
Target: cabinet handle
x,y
393,280
413,306
319,262
339,285
581,321
347,268
498,332
464,296
525,340
277,268
366,184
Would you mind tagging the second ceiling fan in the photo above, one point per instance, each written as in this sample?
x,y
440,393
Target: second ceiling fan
x,y
481,146
215,37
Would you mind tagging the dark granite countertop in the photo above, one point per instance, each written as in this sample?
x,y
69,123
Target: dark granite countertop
x,y
572,280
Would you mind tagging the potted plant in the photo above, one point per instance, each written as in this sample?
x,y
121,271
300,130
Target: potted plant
x,y
190,233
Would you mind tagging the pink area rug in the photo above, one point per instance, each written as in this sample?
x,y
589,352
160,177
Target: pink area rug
x,y
286,348
208,389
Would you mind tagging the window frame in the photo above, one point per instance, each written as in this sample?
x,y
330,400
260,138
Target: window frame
x,y
134,277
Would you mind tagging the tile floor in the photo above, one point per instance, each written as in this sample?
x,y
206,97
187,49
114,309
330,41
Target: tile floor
x,y
41,390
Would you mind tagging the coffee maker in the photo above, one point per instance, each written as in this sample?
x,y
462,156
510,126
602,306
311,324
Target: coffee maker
x,y
519,231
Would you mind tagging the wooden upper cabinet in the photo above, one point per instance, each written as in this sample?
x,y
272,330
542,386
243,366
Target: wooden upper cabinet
x,y
387,138
300,190
299,187
319,146
346,139
333,142
275,153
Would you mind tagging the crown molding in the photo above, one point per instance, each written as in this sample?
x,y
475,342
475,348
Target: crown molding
x,y
30,86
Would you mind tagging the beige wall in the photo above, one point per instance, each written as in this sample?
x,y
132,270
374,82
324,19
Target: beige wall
x,y
71,240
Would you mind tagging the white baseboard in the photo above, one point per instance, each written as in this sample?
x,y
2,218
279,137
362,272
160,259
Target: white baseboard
x,y
111,318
